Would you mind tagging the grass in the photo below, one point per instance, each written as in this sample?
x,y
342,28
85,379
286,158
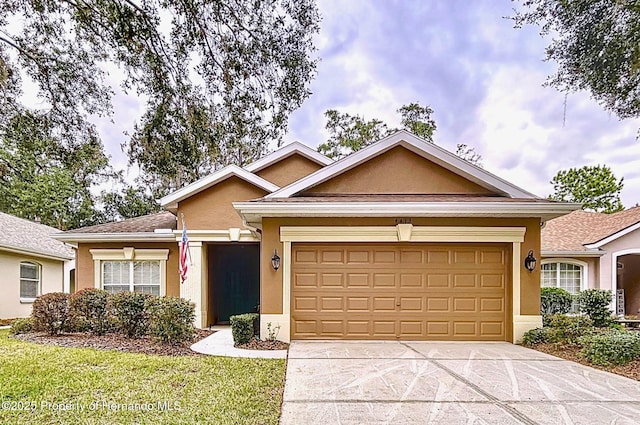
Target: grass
x,y
114,387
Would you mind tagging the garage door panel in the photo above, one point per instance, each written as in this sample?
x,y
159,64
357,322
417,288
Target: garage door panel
x,y
305,280
438,305
332,256
395,291
384,257
357,280
384,304
438,280
329,304
492,281
358,304
411,281
464,280
438,257
331,280
465,305
384,280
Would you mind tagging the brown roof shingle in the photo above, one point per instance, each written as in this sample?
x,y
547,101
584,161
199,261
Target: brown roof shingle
x,y
145,223
572,231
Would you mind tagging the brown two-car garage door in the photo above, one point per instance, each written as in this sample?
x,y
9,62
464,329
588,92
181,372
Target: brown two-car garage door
x,y
403,291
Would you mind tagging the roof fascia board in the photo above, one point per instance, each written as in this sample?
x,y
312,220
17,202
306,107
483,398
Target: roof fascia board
x,y
571,254
613,236
33,253
116,237
404,209
423,148
285,152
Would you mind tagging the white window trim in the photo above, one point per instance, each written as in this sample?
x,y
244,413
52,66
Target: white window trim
x,y
129,254
584,281
28,300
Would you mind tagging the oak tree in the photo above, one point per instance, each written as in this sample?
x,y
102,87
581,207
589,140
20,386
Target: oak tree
x,y
596,44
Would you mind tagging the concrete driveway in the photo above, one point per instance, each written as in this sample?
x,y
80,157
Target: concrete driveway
x,y
348,382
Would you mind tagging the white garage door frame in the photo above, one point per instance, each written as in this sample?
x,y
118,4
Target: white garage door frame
x,y
400,233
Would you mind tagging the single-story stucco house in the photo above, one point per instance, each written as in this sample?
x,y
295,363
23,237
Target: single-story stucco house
x,y
585,250
32,263
400,240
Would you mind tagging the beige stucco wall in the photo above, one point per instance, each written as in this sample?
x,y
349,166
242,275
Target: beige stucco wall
x,y
399,171
288,170
10,305
213,209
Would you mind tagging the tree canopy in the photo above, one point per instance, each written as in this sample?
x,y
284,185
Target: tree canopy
x,y
596,187
218,80
596,44
349,133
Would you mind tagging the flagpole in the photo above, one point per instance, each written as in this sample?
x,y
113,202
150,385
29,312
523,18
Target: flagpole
x,y
188,251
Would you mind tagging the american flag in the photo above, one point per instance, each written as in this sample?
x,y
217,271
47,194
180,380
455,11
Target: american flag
x,y
184,251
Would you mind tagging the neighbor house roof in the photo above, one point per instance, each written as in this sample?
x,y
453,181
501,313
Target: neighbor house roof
x,y
158,226
27,237
584,231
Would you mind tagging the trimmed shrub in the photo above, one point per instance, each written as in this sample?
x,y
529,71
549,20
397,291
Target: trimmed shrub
x,y
21,326
243,327
129,313
171,319
567,329
89,311
537,336
554,301
611,347
51,313
595,304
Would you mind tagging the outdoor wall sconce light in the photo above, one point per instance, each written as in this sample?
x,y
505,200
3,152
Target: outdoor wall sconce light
x,y
275,260
530,261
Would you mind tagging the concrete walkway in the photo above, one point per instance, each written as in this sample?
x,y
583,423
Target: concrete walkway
x,y
448,383
221,344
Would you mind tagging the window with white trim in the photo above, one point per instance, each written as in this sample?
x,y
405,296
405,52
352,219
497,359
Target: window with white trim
x,y
30,280
563,275
134,276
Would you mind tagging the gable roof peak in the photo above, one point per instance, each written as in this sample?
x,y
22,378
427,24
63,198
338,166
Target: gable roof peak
x,y
171,200
417,145
285,152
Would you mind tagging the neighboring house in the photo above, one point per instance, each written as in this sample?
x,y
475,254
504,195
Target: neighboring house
x,y
31,264
400,240
585,250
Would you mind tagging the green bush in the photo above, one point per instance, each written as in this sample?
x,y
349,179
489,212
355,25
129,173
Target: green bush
x,y
171,319
611,347
129,312
243,327
555,301
21,326
89,311
567,329
51,313
537,336
595,304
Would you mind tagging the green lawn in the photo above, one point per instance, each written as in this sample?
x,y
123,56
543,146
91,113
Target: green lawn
x,y
113,387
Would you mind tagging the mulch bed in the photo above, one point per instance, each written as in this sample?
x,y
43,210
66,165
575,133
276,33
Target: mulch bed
x,y
258,344
145,345
572,353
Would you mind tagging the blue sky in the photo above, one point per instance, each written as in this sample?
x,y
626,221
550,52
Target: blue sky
x,y
482,77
